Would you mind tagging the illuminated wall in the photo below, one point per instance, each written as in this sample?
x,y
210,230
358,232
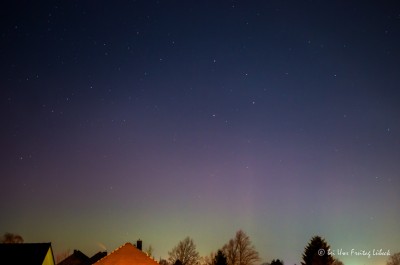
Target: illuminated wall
x,y
49,259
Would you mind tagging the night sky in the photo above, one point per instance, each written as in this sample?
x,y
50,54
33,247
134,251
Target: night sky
x,y
159,120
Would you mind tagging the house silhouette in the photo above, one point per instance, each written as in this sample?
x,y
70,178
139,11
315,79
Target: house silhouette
x,y
78,258
127,254
27,253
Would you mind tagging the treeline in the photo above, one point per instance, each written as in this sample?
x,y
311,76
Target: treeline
x,y
240,251
237,251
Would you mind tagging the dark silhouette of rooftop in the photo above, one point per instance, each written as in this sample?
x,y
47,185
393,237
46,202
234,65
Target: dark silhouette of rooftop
x,y
98,256
76,258
24,253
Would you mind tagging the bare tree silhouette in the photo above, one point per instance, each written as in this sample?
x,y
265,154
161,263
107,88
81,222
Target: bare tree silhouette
x,y
185,252
12,238
240,251
207,260
394,259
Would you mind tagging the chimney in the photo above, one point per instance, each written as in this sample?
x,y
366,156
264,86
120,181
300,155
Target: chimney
x,y
139,244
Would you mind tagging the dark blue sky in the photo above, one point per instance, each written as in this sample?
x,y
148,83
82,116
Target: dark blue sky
x,y
166,119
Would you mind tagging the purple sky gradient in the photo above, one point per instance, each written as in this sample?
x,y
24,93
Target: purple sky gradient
x,y
160,120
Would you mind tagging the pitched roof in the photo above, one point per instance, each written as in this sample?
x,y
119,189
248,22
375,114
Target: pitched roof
x,y
127,255
24,253
97,256
76,258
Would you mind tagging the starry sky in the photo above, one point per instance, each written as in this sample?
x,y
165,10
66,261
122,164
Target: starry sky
x,y
165,119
